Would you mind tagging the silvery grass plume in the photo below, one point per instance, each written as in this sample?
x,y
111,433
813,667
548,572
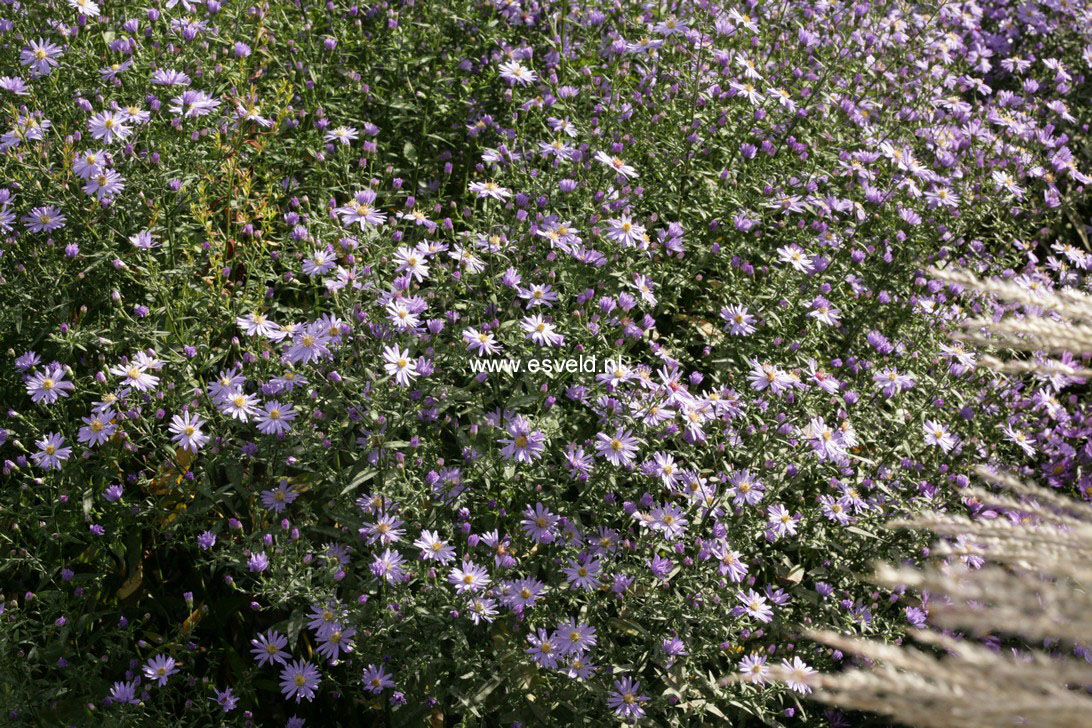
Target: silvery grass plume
x,y
1032,586
1053,321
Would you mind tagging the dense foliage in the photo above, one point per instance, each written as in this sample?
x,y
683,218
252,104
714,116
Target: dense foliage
x,y
255,258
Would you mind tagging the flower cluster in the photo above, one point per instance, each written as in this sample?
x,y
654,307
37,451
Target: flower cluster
x,y
249,255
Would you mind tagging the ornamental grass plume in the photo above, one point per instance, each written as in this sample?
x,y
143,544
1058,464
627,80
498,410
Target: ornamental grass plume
x,y
1025,576
1051,321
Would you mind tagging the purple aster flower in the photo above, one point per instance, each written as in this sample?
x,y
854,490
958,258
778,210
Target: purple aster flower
x,y
754,605
626,699
754,667
619,449
274,417
388,566
574,638
51,452
796,674
108,126
539,523
257,563
193,103
523,444
482,609
41,56
187,431
544,650
44,219
269,647
48,385
583,574
376,679
468,578
226,700
520,594
124,692
336,641
279,498
299,679
361,210
433,548
159,668
97,428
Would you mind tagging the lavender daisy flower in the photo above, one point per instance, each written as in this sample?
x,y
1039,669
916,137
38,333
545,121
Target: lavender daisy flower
x,y
105,185
376,679
308,344
523,445
51,452
616,164
433,548
97,428
411,261
144,240
255,324
620,449
626,699
187,431
343,135
299,680
159,668
325,618
754,667
361,210
279,498
111,72
226,700
108,126
730,563
85,7
624,231
516,73
520,594
938,435
797,674
468,578
399,365
490,189
745,489
193,103
136,376
14,85
387,529
583,574
754,605
543,650
574,638
335,642
274,418
388,566
257,563
168,77
44,219
41,56
482,343
538,524
239,406
482,610
28,360
49,385
124,692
